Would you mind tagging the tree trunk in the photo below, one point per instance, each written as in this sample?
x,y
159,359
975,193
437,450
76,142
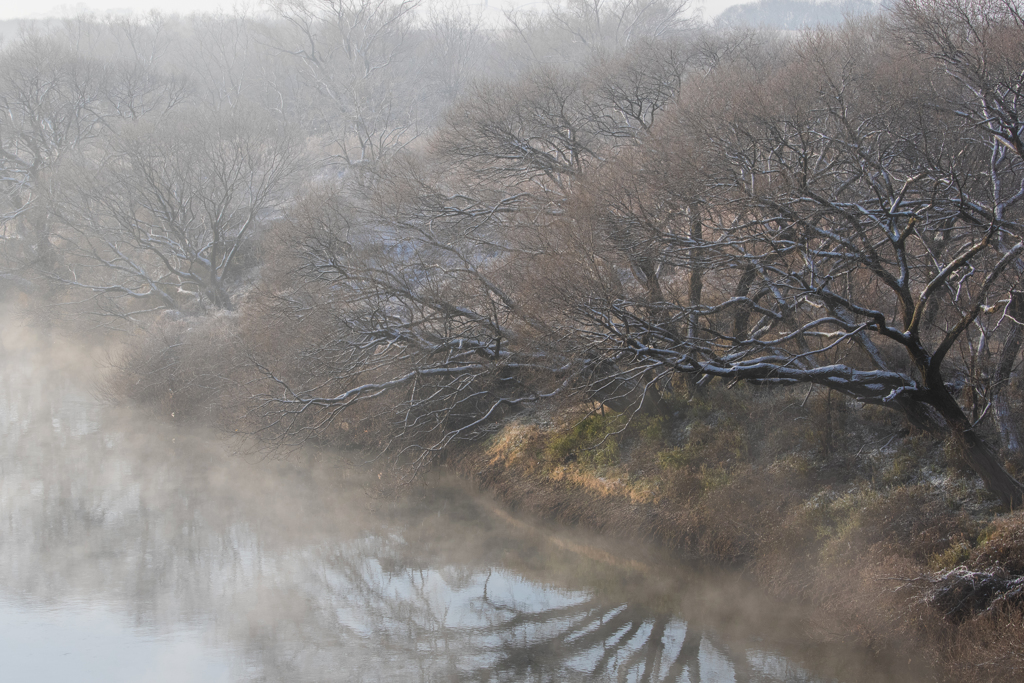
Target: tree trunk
x,y
1009,429
741,319
696,271
981,458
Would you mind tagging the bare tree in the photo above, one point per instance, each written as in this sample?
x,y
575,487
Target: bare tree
x,y
554,123
419,287
572,31
353,55
839,209
853,236
456,50
138,79
51,102
600,24
411,320
61,90
976,48
161,220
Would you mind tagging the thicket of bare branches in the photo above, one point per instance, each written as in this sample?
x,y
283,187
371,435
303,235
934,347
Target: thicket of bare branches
x,y
427,223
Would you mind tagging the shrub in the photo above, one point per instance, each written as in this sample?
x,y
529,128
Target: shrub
x,y
177,367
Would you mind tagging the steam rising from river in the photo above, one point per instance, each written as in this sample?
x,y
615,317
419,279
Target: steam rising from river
x,y
134,549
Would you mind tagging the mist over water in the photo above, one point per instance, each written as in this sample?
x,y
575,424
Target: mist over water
x,y
132,549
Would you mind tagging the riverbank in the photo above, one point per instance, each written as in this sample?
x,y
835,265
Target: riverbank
x,y
144,505
841,506
883,530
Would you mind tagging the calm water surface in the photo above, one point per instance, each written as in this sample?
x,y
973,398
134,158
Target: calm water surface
x,y
135,550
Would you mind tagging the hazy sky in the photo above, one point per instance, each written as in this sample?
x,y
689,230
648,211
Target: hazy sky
x,y
13,9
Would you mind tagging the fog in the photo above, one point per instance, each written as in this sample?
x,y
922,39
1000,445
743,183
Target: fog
x,y
22,9
136,549
242,250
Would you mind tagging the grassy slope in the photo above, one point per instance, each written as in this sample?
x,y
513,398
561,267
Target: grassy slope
x,y
814,497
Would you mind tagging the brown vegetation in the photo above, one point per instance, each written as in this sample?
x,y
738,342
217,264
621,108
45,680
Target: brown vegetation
x,y
887,536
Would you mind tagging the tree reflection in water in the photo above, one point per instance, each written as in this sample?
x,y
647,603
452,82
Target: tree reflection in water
x,y
495,625
298,576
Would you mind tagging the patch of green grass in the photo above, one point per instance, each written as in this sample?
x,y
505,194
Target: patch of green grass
x,y
986,534
651,428
592,441
954,556
605,455
714,477
675,458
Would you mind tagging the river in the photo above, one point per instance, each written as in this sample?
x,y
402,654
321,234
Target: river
x,y
136,550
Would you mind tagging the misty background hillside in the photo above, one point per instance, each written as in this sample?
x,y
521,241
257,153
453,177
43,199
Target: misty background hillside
x,y
793,15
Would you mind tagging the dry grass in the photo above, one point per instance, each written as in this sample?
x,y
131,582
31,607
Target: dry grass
x,y
861,527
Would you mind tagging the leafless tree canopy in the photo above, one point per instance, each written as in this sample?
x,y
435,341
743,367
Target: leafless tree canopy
x,y
424,222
